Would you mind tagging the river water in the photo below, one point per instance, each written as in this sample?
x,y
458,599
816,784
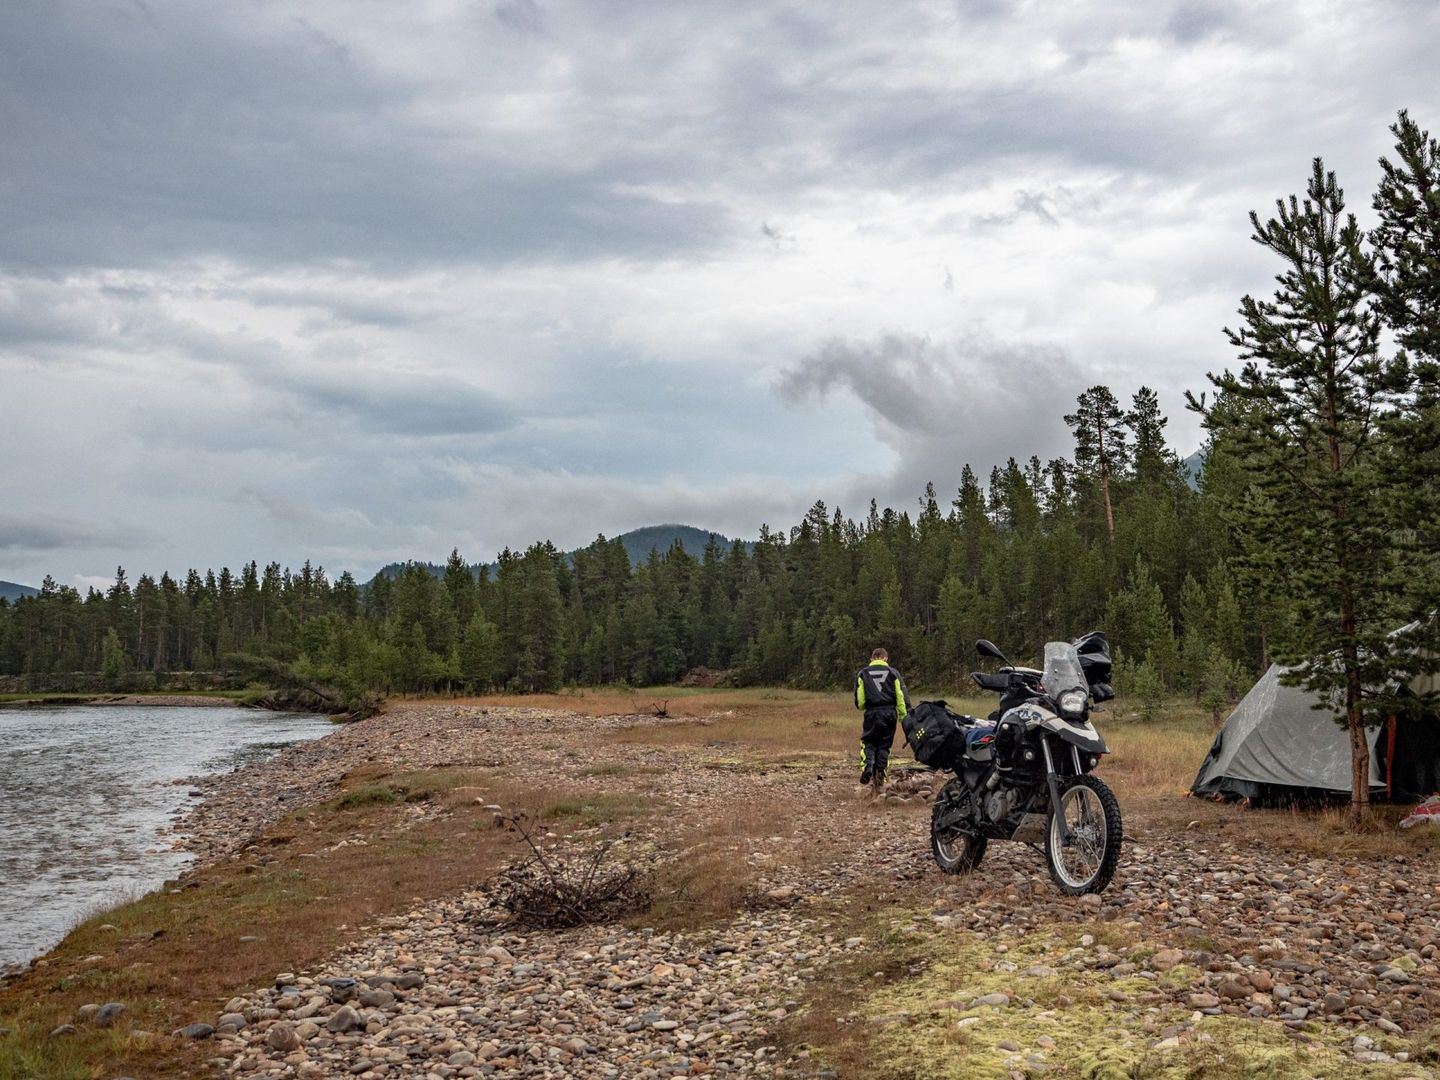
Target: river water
x,y
87,795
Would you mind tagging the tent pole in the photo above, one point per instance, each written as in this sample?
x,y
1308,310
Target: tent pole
x,y
1389,757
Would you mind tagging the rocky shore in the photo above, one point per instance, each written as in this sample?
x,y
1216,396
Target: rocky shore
x,y
1326,952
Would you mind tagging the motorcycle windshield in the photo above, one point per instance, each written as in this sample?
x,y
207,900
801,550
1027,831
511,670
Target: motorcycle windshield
x,y
1062,669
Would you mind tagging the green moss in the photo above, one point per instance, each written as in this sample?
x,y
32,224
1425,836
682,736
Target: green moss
x,y
369,795
926,1023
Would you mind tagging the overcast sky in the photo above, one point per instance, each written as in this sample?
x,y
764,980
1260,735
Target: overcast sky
x,y
360,281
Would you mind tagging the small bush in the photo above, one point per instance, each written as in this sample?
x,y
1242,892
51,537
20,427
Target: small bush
x,y
1141,685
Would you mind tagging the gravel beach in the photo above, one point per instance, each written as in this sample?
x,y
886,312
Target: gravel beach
x,y
1329,950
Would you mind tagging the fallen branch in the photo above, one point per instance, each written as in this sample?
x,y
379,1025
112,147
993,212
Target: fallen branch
x,y
548,891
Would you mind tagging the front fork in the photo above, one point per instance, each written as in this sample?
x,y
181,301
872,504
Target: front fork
x,y
1052,778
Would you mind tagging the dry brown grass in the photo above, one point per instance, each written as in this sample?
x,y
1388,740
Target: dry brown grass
x,y
1157,759
719,862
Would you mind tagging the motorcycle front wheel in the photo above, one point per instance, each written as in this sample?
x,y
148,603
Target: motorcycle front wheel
x,y
1085,861
956,851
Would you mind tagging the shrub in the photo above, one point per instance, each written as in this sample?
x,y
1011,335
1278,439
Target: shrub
x,y
1141,685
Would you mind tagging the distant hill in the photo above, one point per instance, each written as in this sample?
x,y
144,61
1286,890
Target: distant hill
x,y
12,592
639,543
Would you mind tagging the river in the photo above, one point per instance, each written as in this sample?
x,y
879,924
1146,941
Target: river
x,y
87,796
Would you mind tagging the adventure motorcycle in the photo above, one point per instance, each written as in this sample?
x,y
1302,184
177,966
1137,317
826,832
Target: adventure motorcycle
x,y
1024,774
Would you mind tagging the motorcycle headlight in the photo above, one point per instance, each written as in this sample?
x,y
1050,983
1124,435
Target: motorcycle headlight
x,y
1072,703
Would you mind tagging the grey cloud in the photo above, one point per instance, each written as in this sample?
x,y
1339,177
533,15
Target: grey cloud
x,y
129,144
1026,204
66,323
523,15
303,516
941,405
1191,22
519,268
42,532
137,138
417,404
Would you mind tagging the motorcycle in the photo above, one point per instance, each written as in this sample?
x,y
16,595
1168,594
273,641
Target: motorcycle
x,y
1025,773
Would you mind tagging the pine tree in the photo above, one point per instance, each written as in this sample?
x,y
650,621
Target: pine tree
x,y
480,654
1100,451
1407,240
113,662
460,588
1304,416
1407,284
1155,463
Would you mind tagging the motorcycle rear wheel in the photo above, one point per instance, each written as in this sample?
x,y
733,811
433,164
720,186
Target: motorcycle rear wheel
x,y
1086,860
956,851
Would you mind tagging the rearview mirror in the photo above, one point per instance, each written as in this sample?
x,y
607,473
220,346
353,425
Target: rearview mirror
x,y
987,648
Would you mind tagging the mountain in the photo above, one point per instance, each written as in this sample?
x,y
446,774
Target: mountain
x,y
1194,465
639,543
12,592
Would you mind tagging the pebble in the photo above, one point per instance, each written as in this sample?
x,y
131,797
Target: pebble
x,y
283,1038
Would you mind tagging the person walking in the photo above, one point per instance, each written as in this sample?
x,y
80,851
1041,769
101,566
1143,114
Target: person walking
x,y
880,693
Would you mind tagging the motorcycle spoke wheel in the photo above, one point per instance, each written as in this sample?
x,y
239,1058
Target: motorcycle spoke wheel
x,y
1085,859
956,851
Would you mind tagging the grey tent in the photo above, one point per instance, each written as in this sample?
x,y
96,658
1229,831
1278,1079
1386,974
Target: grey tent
x,y
1277,747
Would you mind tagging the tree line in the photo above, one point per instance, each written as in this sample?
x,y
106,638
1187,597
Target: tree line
x,y
1114,537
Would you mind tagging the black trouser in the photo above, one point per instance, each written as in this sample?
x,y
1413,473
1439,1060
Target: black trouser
x,y
876,737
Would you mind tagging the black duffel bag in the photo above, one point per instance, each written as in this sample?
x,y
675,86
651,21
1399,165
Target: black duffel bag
x,y
936,733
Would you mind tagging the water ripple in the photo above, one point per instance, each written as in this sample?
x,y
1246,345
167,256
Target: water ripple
x,y
86,794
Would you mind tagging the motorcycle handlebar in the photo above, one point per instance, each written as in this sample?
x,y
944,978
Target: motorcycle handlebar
x,y
991,682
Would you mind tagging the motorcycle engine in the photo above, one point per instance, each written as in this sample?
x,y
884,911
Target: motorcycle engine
x,y
999,804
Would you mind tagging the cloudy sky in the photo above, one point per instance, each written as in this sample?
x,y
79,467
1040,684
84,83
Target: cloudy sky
x,y
358,281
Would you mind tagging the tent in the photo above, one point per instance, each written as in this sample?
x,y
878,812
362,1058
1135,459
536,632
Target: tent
x,y
1277,747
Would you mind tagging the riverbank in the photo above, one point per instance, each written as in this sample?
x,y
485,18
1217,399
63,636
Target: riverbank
x,y
797,925
221,699
90,792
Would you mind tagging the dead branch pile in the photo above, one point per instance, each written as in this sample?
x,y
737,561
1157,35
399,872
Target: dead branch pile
x,y
553,891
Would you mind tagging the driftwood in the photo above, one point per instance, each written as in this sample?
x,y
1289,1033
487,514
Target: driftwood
x,y
550,891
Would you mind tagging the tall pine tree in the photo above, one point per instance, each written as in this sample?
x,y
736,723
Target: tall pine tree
x,y
1304,415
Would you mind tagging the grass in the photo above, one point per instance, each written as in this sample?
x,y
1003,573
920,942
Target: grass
x,y
903,1007
368,795
598,809
1151,765
617,771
